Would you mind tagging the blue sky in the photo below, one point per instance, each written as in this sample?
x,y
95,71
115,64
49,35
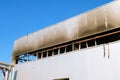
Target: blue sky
x,y
21,17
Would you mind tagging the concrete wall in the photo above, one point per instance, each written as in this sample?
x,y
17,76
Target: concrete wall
x,y
86,64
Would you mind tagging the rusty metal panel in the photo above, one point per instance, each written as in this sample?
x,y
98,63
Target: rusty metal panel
x,y
55,35
40,37
50,36
45,38
32,42
20,46
82,26
91,23
113,14
58,33
100,19
71,26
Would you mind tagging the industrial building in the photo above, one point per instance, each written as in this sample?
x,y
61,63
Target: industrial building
x,y
84,47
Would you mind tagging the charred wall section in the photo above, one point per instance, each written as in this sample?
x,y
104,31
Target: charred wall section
x,y
92,22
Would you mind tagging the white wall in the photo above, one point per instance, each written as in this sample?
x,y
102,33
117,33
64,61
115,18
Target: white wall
x,y
85,64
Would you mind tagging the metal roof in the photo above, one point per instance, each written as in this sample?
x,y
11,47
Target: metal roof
x,y
95,21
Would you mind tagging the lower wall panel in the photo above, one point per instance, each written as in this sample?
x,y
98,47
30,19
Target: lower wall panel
x,y
88,64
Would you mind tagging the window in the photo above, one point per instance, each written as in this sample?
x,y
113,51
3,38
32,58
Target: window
x,y
83,45
50,53
62,49
100,40
39,55
55,51
76,46
68,48
25,58
91,43
44,54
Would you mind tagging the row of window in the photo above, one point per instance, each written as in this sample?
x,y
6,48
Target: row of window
x,y
66,48
73,45
54,51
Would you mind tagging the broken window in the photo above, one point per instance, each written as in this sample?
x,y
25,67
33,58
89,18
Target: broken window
x,y
25,58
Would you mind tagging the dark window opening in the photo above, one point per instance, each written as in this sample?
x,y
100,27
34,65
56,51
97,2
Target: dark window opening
x,y
62,49
40,55
107,39
68,48
113,37
100,40
91,43
83,45
55,51
50,53
44,54
16,61
76,46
